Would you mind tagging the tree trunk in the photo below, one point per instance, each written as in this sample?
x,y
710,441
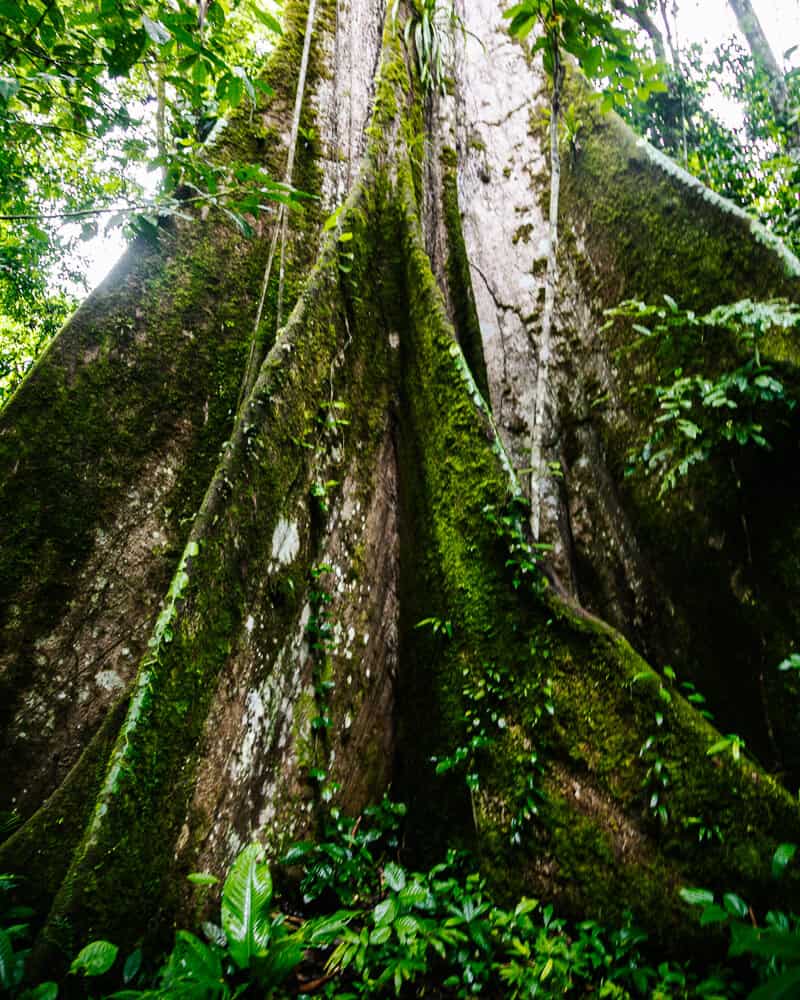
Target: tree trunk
x,y
640,13
765,60
375,462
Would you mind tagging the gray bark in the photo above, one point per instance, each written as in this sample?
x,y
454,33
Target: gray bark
x,y
765,60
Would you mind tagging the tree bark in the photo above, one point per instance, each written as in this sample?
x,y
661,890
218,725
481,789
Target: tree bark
x,y
144,741
765,60
640,14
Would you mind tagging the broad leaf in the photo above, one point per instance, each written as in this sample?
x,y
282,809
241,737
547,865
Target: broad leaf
x,y
246,897
283,956
156,30
95,959
785,986
781,858
394,876
202,878
697,897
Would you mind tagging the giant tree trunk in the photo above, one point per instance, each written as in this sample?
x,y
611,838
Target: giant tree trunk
x,y
148,736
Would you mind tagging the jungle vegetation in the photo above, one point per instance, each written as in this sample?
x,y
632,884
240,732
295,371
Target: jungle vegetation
x,y
398,552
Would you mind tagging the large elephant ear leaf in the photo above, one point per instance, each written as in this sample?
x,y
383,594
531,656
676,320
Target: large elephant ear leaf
x,y
246,897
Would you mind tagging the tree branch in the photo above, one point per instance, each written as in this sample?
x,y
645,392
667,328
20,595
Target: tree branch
x,y
765,60
641,16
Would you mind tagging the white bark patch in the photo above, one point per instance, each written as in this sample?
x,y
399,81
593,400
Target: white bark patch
x,y
285,542
109,680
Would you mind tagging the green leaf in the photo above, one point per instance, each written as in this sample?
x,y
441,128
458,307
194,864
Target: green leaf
x,y
44,991
156,30
95,959
697,897
384,912
713,915
202,878
781,858
195,961
779,987
394,876
266,19
132,965
590,60
297,852
735,905
8,87
747,940
242,224
246,897
332,219
6,960
380,935
240,73
283,956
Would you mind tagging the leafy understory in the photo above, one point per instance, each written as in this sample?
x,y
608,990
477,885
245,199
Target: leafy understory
x,y
700,414
356,922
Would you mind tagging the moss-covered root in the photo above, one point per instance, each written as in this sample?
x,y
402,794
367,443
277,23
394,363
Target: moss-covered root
x,y
108,447
705,578
594,844
650,228
238,592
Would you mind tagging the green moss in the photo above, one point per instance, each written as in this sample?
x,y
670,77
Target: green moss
x,y
118,878
115,389
649,231
41,849
454,569
637,227
453,566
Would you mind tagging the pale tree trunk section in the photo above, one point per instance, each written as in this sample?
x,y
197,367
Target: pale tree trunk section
x,y
765,60
300,542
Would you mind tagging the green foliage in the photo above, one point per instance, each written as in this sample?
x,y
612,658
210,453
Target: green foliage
x,y
440,932
246,899
587,31
523,555
699,415
657,779
773,946
429,26
341,868
413,933
93,95
751,163
658,776
15,936
95,959
732,743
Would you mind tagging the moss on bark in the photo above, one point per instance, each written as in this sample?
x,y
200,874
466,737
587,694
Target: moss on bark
x,y
714,588
594,846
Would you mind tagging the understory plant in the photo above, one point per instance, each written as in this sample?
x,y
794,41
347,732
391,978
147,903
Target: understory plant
x,y
373,927
712,393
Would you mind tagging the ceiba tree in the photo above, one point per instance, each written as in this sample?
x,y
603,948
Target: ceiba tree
x,y
314,439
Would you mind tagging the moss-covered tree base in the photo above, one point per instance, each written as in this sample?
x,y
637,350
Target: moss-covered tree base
x,y
355,605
